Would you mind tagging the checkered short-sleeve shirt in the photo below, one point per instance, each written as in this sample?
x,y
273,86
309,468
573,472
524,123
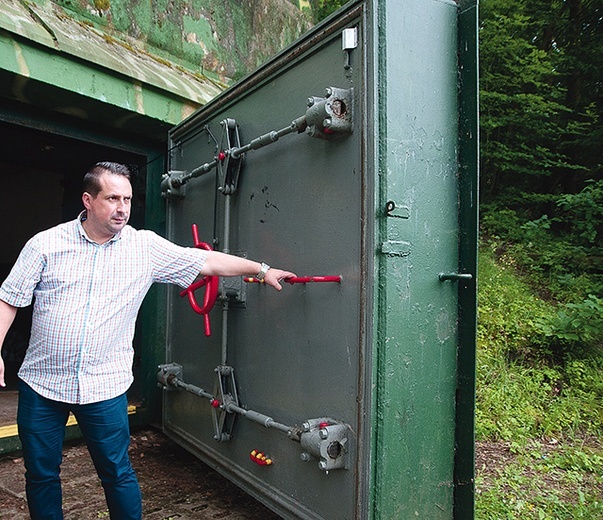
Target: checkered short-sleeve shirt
x,y
86,299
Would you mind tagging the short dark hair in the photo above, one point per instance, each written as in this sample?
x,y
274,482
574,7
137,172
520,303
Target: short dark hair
x,y
91,182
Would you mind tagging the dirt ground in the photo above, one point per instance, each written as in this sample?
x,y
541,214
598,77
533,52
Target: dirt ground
x,y
174,484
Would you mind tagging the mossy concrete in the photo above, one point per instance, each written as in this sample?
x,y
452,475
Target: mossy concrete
x,y
225,37
160,59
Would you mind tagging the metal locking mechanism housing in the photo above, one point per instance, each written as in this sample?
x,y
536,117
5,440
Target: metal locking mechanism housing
x,y
332,115
327,441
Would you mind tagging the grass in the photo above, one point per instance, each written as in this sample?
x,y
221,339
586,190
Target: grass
x,y
539,416
543,480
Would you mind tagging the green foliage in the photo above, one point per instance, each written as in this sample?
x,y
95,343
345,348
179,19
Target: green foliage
x,y
517,403
577,323
582,214
323,8
540,70
561,258
541,133
509,313
540,331
521,114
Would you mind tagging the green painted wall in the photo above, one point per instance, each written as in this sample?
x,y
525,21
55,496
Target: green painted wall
x,y
159,59
226,37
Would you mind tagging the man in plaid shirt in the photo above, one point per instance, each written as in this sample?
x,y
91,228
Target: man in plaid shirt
x,y
87,279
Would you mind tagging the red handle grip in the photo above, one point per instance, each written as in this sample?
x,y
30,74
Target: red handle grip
x,y
317,279
302,279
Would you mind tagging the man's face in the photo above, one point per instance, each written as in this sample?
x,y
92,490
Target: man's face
x,y
109,211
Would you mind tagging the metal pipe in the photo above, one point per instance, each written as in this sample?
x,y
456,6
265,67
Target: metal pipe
x,y
257,417
230,407
225,304
175,182
200,170
168,376
174,381
298,125
316,279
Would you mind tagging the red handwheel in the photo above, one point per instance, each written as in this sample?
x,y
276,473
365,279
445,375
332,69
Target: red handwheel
x,y
210,283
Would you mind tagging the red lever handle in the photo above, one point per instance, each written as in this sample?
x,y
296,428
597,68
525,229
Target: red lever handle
x,y
302,279
307,279
209,282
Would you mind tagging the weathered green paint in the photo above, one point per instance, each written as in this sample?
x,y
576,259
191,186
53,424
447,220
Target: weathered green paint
x,y
42,43
153,312
417,338
55,69
226,37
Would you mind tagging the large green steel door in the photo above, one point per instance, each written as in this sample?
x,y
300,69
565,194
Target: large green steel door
x,y
350,160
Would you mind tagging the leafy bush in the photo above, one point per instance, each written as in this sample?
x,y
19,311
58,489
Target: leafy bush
x,y
582,213
577,324
555,240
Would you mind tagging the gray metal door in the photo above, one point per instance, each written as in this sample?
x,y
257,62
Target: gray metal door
x,y
338,160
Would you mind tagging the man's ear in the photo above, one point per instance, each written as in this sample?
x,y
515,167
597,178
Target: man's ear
x,y
86,197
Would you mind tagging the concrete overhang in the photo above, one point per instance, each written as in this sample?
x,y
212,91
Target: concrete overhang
x,y
50,59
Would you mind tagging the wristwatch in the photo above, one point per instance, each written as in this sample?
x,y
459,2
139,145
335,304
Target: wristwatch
x,y
263,270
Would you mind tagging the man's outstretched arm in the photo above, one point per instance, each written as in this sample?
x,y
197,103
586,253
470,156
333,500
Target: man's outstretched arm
x,y
221,264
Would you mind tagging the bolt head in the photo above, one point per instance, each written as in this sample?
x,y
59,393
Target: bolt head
x,y
305,457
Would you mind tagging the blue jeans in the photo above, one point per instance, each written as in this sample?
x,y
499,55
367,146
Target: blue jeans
x,y
106,431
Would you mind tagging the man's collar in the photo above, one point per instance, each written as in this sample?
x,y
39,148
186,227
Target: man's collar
x,y
82,217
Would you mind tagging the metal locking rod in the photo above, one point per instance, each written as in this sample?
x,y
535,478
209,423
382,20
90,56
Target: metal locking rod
x,y
324,118
324,439
171,182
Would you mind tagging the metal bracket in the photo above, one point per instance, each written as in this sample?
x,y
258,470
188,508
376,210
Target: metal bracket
x,y
225,391
167,375
395,248
234,290
229,164
394,210
172,186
